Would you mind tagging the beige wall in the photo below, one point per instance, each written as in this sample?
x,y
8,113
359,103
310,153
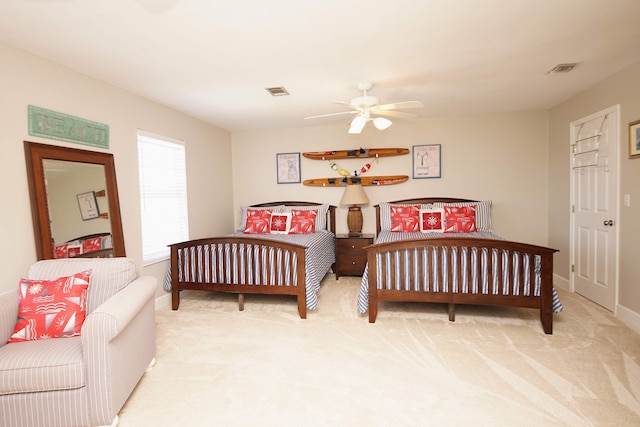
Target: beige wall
x,y
27,79
622,88
498,157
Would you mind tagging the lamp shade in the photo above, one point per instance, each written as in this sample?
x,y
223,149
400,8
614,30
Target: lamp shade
x,y
354,195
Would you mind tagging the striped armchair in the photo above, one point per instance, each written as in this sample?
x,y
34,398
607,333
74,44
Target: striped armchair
x,y
84,380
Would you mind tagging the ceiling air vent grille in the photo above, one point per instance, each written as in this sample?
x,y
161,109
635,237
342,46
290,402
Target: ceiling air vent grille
x,y
277,91
562,68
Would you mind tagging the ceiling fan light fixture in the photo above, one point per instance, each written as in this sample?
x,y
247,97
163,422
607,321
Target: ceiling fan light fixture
x,y
381,123
357,124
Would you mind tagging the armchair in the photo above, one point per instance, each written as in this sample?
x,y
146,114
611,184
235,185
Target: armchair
x,y
83,380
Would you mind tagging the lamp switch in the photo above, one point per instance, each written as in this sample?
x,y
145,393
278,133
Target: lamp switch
x,y
627,200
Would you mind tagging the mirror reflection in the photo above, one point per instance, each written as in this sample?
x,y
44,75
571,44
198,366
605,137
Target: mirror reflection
x,y
78,209
74,202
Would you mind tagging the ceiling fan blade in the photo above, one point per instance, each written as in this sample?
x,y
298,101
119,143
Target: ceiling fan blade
x,y
331,115
397,114
401,105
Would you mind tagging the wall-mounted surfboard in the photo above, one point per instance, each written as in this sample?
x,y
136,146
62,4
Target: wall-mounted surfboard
x,y
363,180
360,153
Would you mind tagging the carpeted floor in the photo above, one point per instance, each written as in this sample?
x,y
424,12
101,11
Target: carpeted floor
x,y
265,366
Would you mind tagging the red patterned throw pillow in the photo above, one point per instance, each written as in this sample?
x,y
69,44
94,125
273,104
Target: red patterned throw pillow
x,y
460,219
303,221
51,308
405,218
280,223
432,220
258,221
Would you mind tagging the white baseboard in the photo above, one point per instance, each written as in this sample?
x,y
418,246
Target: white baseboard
x,y
628,316
622,313
561,282
163,301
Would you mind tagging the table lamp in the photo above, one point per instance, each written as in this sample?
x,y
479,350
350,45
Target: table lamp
x,y
354,196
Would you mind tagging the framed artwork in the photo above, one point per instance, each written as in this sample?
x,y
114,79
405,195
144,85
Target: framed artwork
x,y
288,168
426,161
634,139
88,205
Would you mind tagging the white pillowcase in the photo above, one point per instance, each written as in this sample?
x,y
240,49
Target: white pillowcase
x,y
483,212
321,218
243,214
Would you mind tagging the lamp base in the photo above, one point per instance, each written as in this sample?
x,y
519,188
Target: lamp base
x,y
354,221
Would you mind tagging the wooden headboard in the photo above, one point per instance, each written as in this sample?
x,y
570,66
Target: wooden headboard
x,y
419,201
331,212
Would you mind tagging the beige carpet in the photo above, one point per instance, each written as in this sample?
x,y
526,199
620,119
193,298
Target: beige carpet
x,y
265,366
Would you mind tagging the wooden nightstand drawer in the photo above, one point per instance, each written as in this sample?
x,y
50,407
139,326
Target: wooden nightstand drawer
x,y
352,245
351,258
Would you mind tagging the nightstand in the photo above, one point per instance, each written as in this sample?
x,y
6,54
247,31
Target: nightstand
x,y
351,258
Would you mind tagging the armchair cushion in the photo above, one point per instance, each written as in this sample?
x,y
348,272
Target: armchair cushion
x,y
43,365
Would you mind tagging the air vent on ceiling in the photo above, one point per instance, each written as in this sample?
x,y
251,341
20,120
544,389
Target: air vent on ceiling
x,y
562,68
277,91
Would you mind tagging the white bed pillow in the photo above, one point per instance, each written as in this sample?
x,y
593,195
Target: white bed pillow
x,y
243,214
483,212
321,218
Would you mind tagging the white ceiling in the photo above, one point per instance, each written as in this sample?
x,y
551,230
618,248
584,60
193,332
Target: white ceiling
x,y
214,59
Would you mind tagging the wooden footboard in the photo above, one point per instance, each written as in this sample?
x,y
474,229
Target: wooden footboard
x,y
462,271
241,265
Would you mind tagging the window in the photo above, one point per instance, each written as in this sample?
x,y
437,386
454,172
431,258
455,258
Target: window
x,y
163,194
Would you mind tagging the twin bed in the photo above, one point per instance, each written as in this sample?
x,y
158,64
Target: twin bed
x,y
254,261
470,266
467,265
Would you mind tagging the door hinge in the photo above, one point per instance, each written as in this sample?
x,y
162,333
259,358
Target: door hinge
x,y
573,268
573,208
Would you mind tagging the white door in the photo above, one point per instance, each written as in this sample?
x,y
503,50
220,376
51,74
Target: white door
x,y
594,152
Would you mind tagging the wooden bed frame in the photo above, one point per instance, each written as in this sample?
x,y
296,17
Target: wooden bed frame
x,y
187,253
516,251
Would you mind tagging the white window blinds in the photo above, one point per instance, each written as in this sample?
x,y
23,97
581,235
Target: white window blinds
x,y
163,194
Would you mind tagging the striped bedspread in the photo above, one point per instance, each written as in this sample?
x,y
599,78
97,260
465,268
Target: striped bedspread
x,y
319,256
474,284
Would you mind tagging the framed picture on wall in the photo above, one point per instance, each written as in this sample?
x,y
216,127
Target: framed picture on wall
x,y
634,139
288,168
88,205
426,161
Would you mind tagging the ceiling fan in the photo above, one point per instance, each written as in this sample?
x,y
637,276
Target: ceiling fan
x,y
367,108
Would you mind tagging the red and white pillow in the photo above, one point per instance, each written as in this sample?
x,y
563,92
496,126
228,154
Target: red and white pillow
x,y
303,221
51,308
405,218
258,221
460,219
280,223
432,220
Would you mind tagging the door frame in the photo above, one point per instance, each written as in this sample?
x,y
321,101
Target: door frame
x,y
572,231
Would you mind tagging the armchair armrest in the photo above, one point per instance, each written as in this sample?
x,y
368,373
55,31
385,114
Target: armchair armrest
x,y
9,302
118,340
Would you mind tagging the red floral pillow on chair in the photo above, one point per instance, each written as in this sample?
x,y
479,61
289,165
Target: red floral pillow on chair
x,y
258,221
303,221
460,219
405,218
51,308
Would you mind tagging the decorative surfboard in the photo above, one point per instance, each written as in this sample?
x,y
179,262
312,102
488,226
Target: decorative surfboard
x,y
342,181
355,154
